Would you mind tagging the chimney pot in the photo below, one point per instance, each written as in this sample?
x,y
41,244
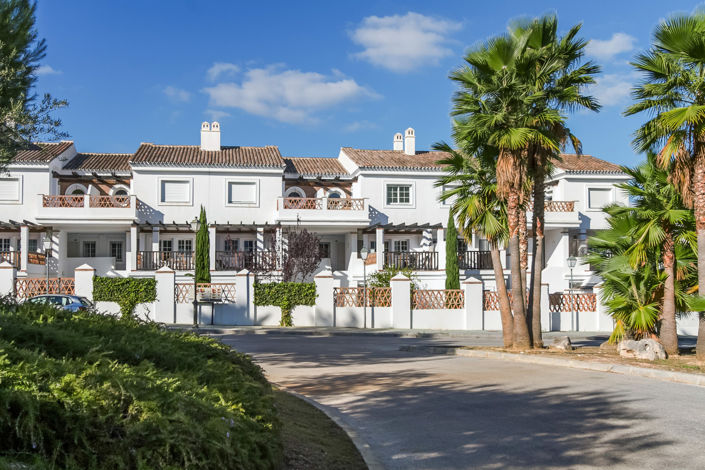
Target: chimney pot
x,y
398,141
410,142
210,136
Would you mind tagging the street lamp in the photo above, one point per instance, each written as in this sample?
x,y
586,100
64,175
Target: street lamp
x,y
572,260
47,251
363,255
195,225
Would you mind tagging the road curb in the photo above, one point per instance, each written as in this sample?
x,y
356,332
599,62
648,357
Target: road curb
x,y
663,375
362,446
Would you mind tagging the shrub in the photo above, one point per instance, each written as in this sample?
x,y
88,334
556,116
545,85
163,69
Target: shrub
x,y
383,277
452,272
127,292
88,391
286,295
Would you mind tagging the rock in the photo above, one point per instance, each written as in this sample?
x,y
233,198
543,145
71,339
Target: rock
x,y
561,343
648,349
607,346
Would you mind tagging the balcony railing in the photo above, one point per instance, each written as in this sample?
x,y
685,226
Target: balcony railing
x,y
153,260
555,206
252,261
36,258
320,203
86,201
110,201
63,201
474,259
12,257
417,260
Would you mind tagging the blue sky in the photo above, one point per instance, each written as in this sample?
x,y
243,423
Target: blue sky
x,y
309,77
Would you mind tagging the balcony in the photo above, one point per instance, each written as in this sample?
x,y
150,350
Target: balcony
x,y
559,214
87,209
416,260
323,211
176,260
474,259
257,261
14,258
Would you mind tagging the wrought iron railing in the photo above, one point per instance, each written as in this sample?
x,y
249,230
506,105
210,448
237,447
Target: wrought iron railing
x,y
416,260
252,261
153,260
475,260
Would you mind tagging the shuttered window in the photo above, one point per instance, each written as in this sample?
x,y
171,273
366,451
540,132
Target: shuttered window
x,y
9,189
242,192
176,191
599,197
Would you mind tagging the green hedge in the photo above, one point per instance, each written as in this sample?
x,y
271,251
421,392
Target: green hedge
x,y
285,295
88,391
126,291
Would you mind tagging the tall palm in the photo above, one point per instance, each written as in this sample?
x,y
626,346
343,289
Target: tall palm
x,y
673,94
472,188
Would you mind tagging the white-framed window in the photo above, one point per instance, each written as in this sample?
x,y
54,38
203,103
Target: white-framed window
x,y
324,249
242,193
185,246
335,194
119,190
116,251
166,245
89,249
175,191
401,245
232,245
599,197
76,189
399,194
4,244
10,190
32,245
294,191
248,246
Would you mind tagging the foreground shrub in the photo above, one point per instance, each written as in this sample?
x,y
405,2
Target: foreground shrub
x,y
87,391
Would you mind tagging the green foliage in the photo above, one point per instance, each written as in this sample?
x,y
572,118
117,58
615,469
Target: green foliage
x,y
286,295
90,391
203,270
127,292
452,272
383,277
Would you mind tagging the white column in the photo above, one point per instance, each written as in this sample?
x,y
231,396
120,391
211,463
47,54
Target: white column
x,y
379,241
83,281
350,249
165,305
474,314
324,310
545,309
61,252
245,298
212,245
8,274
132,247
260,239
441,249
155,238
24,247
401,301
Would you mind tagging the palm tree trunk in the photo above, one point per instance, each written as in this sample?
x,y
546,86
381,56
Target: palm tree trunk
x,y
668,333
537,223
523,249
505,309
522,339
699,206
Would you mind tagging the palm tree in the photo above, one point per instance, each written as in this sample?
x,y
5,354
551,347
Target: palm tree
x,y
472,188
673,94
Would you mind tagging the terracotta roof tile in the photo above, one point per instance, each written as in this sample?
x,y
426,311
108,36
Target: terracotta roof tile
x,y
586,164
312,166
42,152
100,162
395,159
192,155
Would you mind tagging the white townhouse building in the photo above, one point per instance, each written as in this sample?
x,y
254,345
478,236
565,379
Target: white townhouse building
x,y
129,214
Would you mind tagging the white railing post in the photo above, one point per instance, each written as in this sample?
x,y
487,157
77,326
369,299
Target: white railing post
x,y
324,310
132,247
245,297
474,314
8,274
545,309
401,301
24,247
83,281
165,304
441,249
604,319
379,244
212,245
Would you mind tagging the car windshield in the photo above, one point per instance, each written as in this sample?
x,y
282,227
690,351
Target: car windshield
x,y
85,301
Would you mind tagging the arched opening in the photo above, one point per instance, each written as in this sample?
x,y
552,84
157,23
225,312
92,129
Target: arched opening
x,y
76,190
295,191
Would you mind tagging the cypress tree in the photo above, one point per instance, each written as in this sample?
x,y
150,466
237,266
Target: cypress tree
x,y
452,273
203,273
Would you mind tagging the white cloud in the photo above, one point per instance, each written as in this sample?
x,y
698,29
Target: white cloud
x,y
177,94
613,89
359,126
47,70
285,95
221,68
609,48
403,43
216,114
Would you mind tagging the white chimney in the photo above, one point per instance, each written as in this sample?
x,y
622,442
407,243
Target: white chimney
x,y
398,141
410,142
210,136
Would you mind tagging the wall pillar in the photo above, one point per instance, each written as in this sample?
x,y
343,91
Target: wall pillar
x,y
83,281
155,239
350,249
259,245
604,319
441,248
8,274
401,302
245,298
132,249
379,242
165,304
24,247
324,310
474,308
279,245
212,245
545,308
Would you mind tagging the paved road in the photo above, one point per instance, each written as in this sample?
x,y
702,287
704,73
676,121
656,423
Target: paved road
x,y
445,412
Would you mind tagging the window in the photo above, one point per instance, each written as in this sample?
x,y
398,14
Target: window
x,y
334,195
32,245
9,189
248,246
483,244
373,246
398,194
232,246
401,245
185,246
295,192
166,245
78,192
175,192
4,244
324,249
89,249
120,192
242,192
116,251
599,197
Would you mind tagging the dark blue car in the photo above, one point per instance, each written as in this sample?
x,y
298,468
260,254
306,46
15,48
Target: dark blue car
x,y
72,303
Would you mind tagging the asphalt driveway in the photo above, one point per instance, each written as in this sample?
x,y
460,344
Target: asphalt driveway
x,y
415,410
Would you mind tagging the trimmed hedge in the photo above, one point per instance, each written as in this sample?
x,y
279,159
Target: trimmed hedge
x,y
89,391
127,292
286,295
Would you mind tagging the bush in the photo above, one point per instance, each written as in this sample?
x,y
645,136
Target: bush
x,y
286,295
126,291
383,277
87,391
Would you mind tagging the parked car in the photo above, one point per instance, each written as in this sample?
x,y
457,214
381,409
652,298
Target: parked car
x,y
72,303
